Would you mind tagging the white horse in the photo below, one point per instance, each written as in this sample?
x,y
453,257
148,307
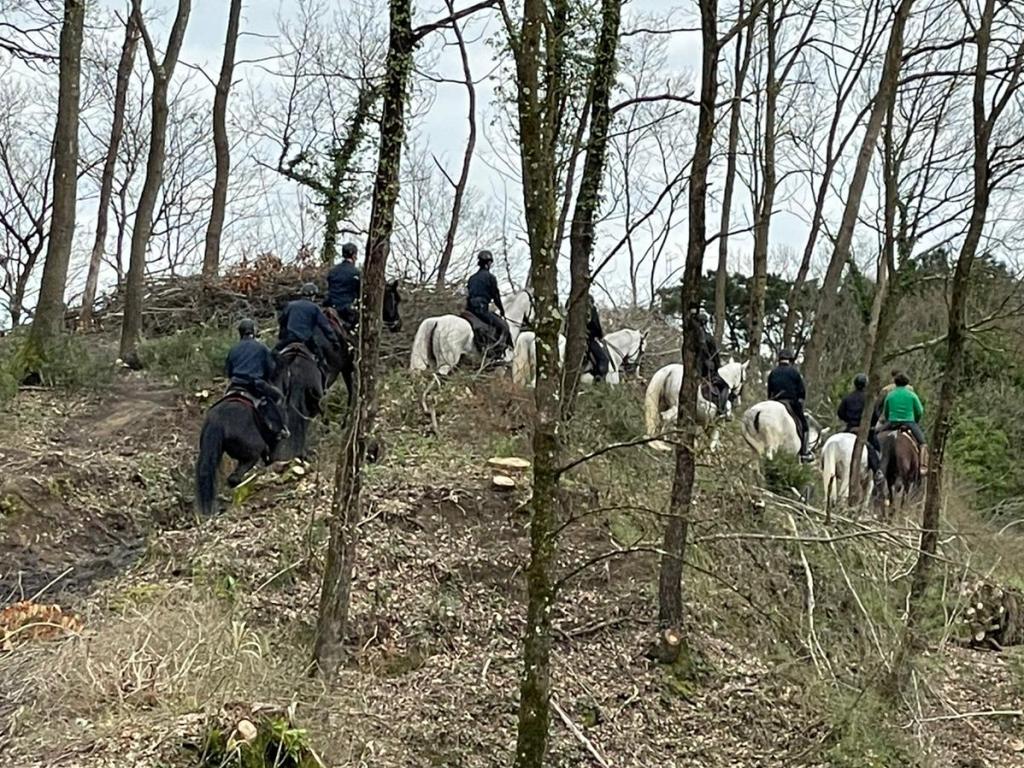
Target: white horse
x,y
661,402
836,457
768,428
625,349
442,341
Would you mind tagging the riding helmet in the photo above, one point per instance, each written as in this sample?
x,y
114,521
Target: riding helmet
x,y
860,381
308,289
484,258
246,328
787,355
702,316
349,251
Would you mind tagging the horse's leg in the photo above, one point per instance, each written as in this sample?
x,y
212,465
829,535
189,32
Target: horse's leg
x,y
243,468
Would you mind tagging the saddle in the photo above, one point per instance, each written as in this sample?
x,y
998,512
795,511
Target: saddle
x,y
906,431
240,393
345,332
484,336
297,349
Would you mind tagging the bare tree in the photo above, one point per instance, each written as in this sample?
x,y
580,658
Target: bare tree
x,y
459,186
49,315
162,71
211,257
841,253
124,70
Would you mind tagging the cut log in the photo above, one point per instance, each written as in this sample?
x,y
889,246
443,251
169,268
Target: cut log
x,y
509,463
503,483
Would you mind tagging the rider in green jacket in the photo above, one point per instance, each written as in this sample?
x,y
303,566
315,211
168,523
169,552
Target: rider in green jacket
x,y
903,408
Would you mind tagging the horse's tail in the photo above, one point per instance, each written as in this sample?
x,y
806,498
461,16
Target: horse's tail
x,y
750,426
828,475
211,448
523,359
652,409
423,345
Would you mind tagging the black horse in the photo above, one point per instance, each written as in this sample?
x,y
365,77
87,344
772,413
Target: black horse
x,y
232,426
341,357
299,377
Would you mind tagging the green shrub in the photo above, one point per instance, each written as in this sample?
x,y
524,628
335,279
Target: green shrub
x,y
65,363
864,735
192,357
785,472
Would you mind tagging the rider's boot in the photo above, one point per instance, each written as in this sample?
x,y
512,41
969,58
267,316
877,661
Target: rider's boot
x,y
924,459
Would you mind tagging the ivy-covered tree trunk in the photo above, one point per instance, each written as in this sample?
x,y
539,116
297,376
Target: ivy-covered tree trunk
x,y
538,49
844,239
49,315
588,200
163,71
124,72
222,149
347,503
670,594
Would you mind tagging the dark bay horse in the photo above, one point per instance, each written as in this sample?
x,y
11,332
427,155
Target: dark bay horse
x,y
901,464
341,357
298,377
231,426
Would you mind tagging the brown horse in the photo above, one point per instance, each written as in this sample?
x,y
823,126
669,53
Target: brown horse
x,y
901,465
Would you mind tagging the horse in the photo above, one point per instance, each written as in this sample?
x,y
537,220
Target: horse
x,y
769,428
661,401
299,377
625,351
442,341
340,357
231,426
835,461
900,463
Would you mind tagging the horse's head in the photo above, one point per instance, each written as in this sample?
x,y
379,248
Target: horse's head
x,y
392,300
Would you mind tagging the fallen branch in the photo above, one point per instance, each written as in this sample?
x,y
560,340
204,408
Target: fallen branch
x,y
574,729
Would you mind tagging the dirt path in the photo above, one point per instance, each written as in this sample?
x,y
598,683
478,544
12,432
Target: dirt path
x,y
85,477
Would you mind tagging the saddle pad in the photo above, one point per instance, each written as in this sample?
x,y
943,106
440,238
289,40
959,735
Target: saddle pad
x,y
297,349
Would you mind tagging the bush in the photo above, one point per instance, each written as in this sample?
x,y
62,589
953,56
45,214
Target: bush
x,y
66,363
192,357
785,472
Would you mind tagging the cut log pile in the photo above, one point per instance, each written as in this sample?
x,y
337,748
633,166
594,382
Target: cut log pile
x,y
992,616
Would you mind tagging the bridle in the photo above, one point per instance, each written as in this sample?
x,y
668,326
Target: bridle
x,y
629,361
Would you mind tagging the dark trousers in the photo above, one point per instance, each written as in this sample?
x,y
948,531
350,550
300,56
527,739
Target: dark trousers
x,y
271,407
797,408
349,316
874,458
721,391
598,358
498,326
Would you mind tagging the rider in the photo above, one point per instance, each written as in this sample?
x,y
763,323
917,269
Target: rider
x,y
299,322
482,290
343,286
709,361
595,345
903,408
787,385
851,411
250,367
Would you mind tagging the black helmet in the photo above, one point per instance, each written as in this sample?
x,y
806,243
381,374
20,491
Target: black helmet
x,y
484,257
349,251
246,328
787,355
860,381
307,289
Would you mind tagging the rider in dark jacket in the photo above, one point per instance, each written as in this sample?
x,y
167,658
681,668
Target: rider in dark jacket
x,y
595,347
482,290
785,384
300,321
851,412
709,360
250,366
343,286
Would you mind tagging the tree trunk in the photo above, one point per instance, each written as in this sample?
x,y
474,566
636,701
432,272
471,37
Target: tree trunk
x,y
742,63
588,201
221,147
956,335
131,328
841,254
539,47
49,314
670,594
762,222
124,73
346,507
467,158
